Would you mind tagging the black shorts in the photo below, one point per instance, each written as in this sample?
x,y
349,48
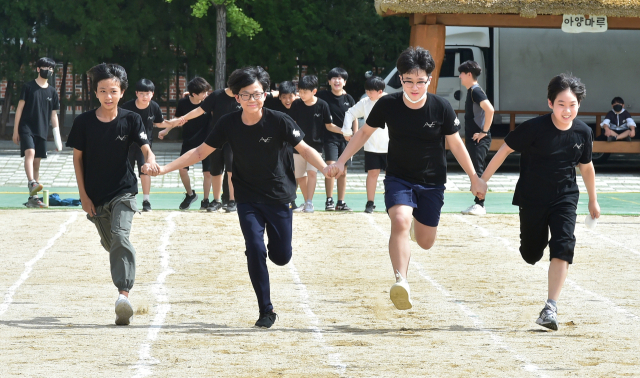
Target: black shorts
x,y
333,150
374,160
136,156
206,165
31,142
535,225
221,158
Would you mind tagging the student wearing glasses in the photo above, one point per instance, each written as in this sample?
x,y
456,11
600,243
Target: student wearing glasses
x,y
416,171
263,176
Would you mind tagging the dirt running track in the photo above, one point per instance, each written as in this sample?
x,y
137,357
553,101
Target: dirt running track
x,y
475,301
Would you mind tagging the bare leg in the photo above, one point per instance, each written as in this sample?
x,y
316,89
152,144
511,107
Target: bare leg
x,y
399,247
232,196
28,163
186,181
372,183
36,169
312,179
206,184
146,184
302,181
558,270
328,183
216,183
623,134
342,185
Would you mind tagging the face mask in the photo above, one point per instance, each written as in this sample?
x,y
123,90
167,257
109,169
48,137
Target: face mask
x,y
416,101
45,74
617,108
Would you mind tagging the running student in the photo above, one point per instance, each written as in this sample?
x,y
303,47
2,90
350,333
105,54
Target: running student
x,y
100,139
551,146
334,140
263,176
376,147
313,116
416,172
36,109
478,115
151,115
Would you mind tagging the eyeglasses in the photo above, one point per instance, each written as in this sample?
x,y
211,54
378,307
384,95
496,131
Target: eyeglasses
x,y
255,96
420,84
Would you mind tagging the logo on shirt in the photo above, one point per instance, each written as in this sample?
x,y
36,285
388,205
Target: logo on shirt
x,y
121,137
266,140
456,122
143,135
317,115
238,107
430,125
151,117
296,133
346,103
48,98
578,146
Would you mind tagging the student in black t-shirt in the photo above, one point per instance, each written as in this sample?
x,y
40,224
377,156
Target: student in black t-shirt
x,y
263,176
478,115
416,171
100,140
551,146
313,116
334,141
36,110
281,99
618,124
151,115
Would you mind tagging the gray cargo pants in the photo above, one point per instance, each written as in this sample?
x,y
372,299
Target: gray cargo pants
x,y
113,221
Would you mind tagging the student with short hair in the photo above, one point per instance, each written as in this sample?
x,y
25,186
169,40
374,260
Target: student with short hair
x,y
313,116
334,140
478,116
37,109
419,124
551,146
100,139
618,124
282,99
376,147
263,176
151,115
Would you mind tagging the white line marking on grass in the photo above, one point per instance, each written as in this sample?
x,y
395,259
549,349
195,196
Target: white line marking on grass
x,y
477,323
573,284
145,360
612,241
28,266
334,357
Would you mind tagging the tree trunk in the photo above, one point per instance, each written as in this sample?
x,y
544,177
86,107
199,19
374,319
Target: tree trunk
x,y
221,46
6,107
63,94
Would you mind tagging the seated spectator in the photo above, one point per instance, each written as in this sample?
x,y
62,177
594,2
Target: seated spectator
x,y
618,124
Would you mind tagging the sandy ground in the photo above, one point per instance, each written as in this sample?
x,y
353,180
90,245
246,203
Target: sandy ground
x,y
475,301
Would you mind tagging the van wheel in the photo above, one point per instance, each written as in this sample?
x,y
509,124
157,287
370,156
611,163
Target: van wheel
x,y
599,157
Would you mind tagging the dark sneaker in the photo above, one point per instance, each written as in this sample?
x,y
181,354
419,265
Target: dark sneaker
x,y
343,207
368,208
548,316
34,188
329,205
34,202
611,138
231,207
266,320
214,206
188,200
146,206
204,204
293,205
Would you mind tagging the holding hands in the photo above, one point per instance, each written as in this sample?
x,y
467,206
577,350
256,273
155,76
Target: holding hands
x,y
152,169
478,187
334,170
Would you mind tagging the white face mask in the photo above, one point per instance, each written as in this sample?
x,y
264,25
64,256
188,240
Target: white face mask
x,y
412,101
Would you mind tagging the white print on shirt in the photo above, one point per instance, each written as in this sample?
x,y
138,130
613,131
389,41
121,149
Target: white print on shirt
x,y
578,146
121,137
152,117
429,124
346,103
266,140
296,133
48,98
456,122
317,115
143,135
238,107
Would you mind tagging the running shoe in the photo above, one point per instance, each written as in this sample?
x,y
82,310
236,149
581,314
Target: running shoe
x,y
342,206
293,205
266,320
368,208
308,207
34,202
329,205
204,204
34,188
231,207
297,209
475,209
548,316
214,206
146,206
188,200
124,311
400,293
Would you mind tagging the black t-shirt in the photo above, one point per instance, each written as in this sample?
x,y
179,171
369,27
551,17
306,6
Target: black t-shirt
x,y
218,103
473,113
105,151
262,162
195,131
548,160
338,106
312,120
150,115
274,103
416,137
39,103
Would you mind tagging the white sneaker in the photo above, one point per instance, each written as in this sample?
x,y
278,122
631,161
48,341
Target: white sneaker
x,y
308,207
124,311
412,232
400,293
548,316
298,209
475,209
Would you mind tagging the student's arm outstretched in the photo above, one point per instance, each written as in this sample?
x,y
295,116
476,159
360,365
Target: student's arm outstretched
x,y
496,162
191,157
478,187
311,155
589,177
355,144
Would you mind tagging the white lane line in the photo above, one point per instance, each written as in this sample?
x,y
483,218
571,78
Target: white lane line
x,y
28,266
145,360
571,282
335,359
477,322
612,241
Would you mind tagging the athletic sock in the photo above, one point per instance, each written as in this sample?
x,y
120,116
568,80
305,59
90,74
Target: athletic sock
x,y
145,197
551,301
32,181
